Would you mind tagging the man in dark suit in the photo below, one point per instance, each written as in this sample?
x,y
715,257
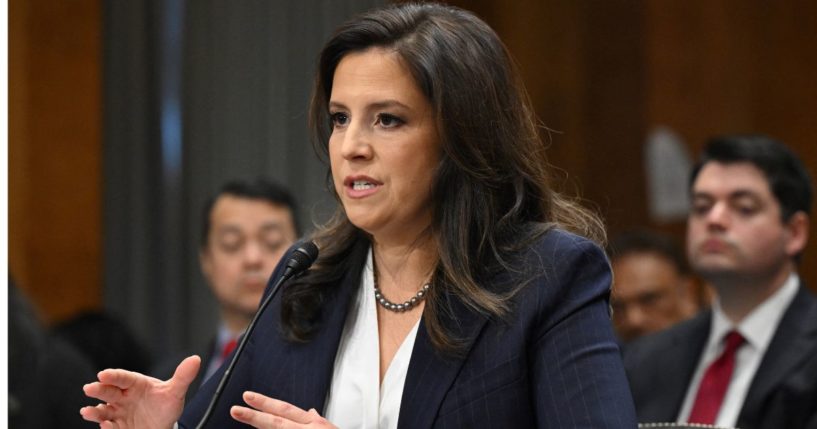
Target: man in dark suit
x,y
246,228
747,361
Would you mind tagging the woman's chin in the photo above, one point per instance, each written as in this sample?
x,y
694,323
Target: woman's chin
x,y
362,222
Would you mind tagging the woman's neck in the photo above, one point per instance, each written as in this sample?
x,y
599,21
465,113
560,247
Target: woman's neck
x,y
404,267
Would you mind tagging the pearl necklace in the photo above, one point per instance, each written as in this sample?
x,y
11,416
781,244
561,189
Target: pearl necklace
x,y
399,308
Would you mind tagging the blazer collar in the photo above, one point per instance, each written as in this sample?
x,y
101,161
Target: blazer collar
x,y
319,352
431,373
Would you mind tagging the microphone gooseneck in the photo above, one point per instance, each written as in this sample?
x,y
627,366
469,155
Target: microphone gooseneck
x,y
300,260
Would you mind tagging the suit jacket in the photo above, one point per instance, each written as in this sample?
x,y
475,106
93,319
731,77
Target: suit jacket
x,y
783,393
553,363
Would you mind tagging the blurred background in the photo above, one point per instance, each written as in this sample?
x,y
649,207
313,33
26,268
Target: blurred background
x,y
125,115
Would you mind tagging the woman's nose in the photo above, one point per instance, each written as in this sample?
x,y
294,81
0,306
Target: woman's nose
x,y
356,141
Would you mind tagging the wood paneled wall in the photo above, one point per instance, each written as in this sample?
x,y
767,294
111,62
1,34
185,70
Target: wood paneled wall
x,y
601,75
54,154
735,66
604,73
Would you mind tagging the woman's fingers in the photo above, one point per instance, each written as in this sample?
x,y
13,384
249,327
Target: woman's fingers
x,y
120,378
98,414
130,399
186,371
258,419
108,425
272,413
103,392
90,414
184,375
277,407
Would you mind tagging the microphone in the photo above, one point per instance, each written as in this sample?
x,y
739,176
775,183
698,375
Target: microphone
x,y
300,260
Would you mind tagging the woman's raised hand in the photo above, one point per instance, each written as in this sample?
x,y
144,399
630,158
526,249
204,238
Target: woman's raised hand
x,y
269,413
135,401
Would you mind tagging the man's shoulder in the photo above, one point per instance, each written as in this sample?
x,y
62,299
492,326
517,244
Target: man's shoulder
x,y
805,302
800,317
653,347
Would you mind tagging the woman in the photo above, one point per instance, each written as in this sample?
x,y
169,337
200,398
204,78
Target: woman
x,y
448,292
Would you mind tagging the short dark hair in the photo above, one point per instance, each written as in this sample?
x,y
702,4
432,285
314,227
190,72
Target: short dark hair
x,y
644,241
788,178
258,189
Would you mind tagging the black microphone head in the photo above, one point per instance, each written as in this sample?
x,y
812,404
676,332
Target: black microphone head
x,y
303,257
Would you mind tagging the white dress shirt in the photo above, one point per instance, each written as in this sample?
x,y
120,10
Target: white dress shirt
x,y
356,398
757,329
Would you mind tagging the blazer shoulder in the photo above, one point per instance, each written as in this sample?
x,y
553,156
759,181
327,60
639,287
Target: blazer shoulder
x,y
563,240
562,273
558,251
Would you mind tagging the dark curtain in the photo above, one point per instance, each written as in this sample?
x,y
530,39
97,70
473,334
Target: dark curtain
x,y
197,93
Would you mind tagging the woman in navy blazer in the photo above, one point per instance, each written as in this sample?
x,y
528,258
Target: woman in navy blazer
x,y
448,228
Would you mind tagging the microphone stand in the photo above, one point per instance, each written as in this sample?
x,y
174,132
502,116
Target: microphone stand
x,y
301,259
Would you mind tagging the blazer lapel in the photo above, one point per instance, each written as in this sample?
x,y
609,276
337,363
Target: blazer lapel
x,y
794,340
318,354
430,373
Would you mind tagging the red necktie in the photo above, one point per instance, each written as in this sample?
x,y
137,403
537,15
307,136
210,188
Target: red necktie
x,y
228,348
715,382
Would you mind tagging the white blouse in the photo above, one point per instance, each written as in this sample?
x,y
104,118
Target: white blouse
x,y
356,399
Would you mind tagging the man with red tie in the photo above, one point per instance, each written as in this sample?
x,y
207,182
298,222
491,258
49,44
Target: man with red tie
x,y
246,228
745,362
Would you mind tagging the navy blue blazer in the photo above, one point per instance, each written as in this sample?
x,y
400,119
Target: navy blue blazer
x,y
552,363
783,393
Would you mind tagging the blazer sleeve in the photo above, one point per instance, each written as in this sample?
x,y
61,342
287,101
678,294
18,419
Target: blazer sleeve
x,y
578,376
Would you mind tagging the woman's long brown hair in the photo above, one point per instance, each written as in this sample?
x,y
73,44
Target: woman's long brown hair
x,y
492,193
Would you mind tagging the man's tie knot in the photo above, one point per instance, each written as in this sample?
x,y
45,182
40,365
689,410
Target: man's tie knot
x,y
733,341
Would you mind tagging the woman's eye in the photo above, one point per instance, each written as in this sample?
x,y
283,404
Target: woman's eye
x,y
339,119
389,121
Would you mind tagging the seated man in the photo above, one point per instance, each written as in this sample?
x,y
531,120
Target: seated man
x,y
652,287
746,362
246,228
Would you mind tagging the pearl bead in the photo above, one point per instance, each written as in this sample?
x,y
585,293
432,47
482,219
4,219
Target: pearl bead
x,y
405,306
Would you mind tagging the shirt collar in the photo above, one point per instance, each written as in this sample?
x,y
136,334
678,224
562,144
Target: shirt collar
x,y
223,337
760,324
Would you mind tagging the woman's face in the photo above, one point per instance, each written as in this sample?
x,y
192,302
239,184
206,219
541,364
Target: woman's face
x,y
384,146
